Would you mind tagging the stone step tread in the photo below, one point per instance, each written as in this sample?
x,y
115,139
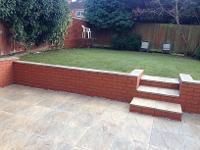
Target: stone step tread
x,y
160,79
159,105
159,91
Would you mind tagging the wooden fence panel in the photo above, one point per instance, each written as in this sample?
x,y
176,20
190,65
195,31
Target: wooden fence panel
x,y
5,41
184,38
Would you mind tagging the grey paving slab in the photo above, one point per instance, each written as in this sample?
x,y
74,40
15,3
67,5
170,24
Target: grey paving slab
x,y
38,119
166,140
167,125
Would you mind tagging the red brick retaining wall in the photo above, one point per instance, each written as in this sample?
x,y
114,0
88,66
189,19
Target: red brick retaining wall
x,y
113,85
6,72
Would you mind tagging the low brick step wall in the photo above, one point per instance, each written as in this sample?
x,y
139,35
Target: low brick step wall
x,y
162,82
156,108
159,94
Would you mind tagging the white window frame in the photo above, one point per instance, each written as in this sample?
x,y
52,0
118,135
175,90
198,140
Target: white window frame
x,y
79,13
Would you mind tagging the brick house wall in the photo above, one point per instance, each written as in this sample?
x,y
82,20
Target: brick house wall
x,y
73,37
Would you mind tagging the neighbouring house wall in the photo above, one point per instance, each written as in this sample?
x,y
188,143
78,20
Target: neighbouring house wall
x,y
118,86
73,37
6,71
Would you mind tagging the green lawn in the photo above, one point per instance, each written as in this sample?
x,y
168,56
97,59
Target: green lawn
x,y
124,61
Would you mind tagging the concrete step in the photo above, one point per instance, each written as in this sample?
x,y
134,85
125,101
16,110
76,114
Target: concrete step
x,y
156,108
163,82
158,91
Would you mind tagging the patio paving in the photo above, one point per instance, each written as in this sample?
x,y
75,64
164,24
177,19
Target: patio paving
x,y
38,119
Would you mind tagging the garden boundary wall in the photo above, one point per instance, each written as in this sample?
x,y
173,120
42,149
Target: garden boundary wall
x,y
5,41
8,46
184,38
108,84
73,39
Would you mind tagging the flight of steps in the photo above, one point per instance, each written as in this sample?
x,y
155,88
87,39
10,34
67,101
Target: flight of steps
x,y
158,96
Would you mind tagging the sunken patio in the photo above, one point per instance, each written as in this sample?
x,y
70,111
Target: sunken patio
x,y
33,118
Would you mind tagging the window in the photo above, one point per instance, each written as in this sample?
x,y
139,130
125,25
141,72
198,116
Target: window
x,y
80,14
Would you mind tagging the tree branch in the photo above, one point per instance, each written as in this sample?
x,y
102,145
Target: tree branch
x,y
165,10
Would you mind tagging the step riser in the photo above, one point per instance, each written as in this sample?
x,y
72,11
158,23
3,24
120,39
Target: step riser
x,y
155,112
157,97
159,84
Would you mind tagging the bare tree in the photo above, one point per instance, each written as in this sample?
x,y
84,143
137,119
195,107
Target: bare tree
x,y
174,8
179,9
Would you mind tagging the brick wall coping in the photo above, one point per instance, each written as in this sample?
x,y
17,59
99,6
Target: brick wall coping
x,y
8,58
187,78
134,73
137,72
